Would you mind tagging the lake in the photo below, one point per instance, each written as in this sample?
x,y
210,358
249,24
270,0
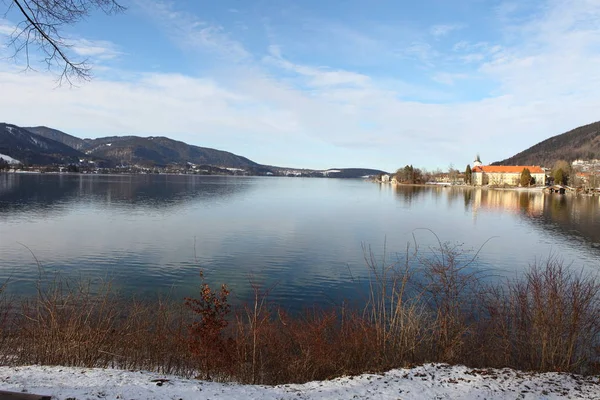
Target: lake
x,y
302,237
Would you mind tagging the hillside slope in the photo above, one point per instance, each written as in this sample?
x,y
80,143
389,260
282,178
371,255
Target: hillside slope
x,y
58,136
579,143
30,148
160,151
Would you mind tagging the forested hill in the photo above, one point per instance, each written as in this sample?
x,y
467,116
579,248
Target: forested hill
x,y
44,146
580,143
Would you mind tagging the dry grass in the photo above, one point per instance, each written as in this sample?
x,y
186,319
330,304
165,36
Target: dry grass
x,y
419,309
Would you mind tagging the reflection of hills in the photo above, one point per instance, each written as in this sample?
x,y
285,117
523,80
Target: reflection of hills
x,y
24,192
574,217
35,192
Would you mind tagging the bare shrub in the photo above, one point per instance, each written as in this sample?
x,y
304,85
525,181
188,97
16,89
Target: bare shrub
x,y
251,324
397,315
68,322
450,288
547,321
6,306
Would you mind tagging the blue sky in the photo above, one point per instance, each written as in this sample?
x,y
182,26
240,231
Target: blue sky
x,y
322,84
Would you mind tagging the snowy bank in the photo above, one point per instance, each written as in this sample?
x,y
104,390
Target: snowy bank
x,y
432,381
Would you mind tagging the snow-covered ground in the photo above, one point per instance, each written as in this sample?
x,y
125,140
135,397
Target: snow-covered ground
x,y
9,159
432,381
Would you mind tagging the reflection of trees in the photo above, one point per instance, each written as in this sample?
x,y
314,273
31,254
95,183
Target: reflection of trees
x,y
408,193
454,194
524,201
572,216
468,197
21,193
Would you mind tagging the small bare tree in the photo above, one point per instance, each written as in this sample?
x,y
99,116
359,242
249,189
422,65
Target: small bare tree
x,y
41,26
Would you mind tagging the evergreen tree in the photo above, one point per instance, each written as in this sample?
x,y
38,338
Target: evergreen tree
x,y
560,177
468,174
526,178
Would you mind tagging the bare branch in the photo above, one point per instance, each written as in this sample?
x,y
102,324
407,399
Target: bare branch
x,y
41,27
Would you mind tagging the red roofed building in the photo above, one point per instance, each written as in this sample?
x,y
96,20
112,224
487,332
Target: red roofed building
x,y
505,174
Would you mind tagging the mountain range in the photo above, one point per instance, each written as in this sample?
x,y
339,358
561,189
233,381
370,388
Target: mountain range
x,y
41,145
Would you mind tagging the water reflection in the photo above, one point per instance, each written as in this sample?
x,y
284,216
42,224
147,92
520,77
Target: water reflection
x,y
577,218
305,236
410,193
524,202
570,216
43,193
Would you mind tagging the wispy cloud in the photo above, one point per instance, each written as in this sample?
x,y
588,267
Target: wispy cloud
x,y
6,27
189,30
449,78
444,29
96,49
317,77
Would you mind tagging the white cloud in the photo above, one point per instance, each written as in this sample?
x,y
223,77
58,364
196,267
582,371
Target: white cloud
x,y
6,27
444,29
448,78
96,49
317,77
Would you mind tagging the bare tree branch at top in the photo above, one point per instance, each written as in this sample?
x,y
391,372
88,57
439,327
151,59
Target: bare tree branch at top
x,y
40,29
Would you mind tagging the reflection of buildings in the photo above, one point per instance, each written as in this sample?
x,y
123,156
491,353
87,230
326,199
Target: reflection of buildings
x,y
561,214
526,202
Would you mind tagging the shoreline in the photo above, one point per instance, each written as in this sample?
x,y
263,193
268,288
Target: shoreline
x,y
462,186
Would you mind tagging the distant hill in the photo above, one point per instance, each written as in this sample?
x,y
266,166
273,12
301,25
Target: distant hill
x,y
54,134
160,151
580,143
42,145
29,148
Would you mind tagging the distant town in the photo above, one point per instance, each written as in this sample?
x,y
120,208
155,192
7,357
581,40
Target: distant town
x,y
579,176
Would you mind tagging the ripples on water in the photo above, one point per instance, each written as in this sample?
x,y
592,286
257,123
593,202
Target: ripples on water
x,y
303,237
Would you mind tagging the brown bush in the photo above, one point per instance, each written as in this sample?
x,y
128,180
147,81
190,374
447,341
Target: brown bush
x,y
547,321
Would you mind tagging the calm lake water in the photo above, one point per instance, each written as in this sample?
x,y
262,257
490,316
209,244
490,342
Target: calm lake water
x,y
303,237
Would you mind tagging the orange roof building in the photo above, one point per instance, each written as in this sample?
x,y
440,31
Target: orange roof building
x,y
505,175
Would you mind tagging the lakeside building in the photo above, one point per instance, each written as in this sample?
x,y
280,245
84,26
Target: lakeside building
x,y
505,174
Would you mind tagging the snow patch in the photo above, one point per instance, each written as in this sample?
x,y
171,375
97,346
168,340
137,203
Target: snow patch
x,y
9,159
430,381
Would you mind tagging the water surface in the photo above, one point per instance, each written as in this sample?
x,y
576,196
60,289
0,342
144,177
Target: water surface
x,y
303,237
